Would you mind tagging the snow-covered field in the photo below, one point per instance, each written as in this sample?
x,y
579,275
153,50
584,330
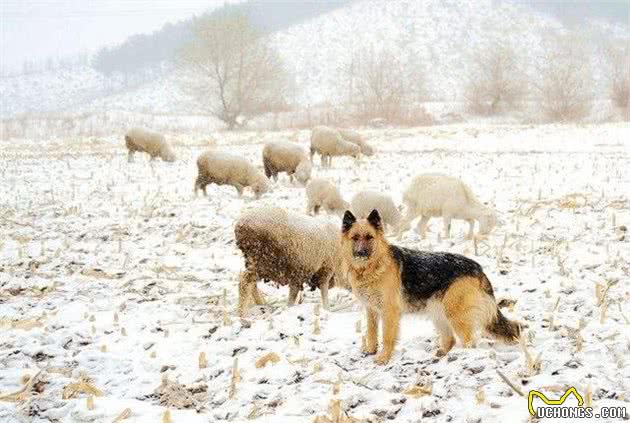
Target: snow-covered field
x,y
114,275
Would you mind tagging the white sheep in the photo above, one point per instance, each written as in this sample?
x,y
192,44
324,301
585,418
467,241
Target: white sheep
x,y
145,141
286,157
364,202
432,195
356,138
323,193
221,168
287,248
328,142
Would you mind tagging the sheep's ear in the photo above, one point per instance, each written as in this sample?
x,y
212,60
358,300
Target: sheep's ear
x,y
348,221
374,219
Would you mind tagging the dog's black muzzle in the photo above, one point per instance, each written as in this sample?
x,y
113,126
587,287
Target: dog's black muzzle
x,y
362,253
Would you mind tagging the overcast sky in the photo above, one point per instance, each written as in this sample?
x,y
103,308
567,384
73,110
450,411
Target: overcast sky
x,y
43,28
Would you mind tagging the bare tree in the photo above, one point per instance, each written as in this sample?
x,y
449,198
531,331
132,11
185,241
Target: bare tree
x,y
496,81
381,84
232,70
565,86
618,55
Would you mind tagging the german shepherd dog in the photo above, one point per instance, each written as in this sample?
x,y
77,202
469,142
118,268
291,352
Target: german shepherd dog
x,y
389,280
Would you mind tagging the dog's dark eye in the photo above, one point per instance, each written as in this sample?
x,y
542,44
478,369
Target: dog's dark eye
x,y
355,238
369,237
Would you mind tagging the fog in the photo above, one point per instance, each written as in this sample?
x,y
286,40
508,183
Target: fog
x,y
36,30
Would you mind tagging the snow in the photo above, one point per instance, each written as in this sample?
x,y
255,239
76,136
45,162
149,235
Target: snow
x,y
92,245
438,37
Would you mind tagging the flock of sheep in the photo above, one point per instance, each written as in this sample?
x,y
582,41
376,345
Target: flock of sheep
x,y
293,249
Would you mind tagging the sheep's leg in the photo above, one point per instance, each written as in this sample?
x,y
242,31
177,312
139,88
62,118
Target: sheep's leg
x,y
329,162
447,227
471,230
316,209
422,226
293,293
323,290
197,185
239,189
258,297
323,160
246,287
130,156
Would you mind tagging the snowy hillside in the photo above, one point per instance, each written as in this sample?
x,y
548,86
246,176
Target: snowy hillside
x,y
80,89
439,36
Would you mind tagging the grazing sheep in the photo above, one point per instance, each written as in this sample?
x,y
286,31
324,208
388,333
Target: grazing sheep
x,y
220,168
365,201
356,138
138,139
287,248
431,195
286,157
321,192
328,142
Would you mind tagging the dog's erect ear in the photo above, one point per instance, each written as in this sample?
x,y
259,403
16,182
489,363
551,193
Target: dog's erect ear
x,y
348,221
374,219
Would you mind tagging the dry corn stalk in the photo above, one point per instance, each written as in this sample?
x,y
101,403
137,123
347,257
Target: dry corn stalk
x,y
235,379
122,416
89,402
271,357
203,363
533,364
23,393
417,391
82,386
480,396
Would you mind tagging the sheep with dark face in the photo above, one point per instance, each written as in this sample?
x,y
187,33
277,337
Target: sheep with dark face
x,y
142,140
289,249
328,142
286,157
215,167
433,194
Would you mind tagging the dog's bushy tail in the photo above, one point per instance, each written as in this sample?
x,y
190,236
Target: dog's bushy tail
x,y
499,326
503,329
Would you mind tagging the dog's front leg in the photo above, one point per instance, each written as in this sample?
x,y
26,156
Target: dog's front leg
x,y
371,340
391,324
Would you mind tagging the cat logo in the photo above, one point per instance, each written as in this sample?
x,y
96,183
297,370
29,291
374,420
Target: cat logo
x,y
532,394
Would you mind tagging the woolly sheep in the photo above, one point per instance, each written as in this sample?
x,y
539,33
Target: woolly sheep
x,y
321,192
365,201
431,195
328,142
287,248
221,168
286,157
356,138
138,139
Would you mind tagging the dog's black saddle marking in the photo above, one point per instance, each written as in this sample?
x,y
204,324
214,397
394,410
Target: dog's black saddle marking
x,y
425,274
